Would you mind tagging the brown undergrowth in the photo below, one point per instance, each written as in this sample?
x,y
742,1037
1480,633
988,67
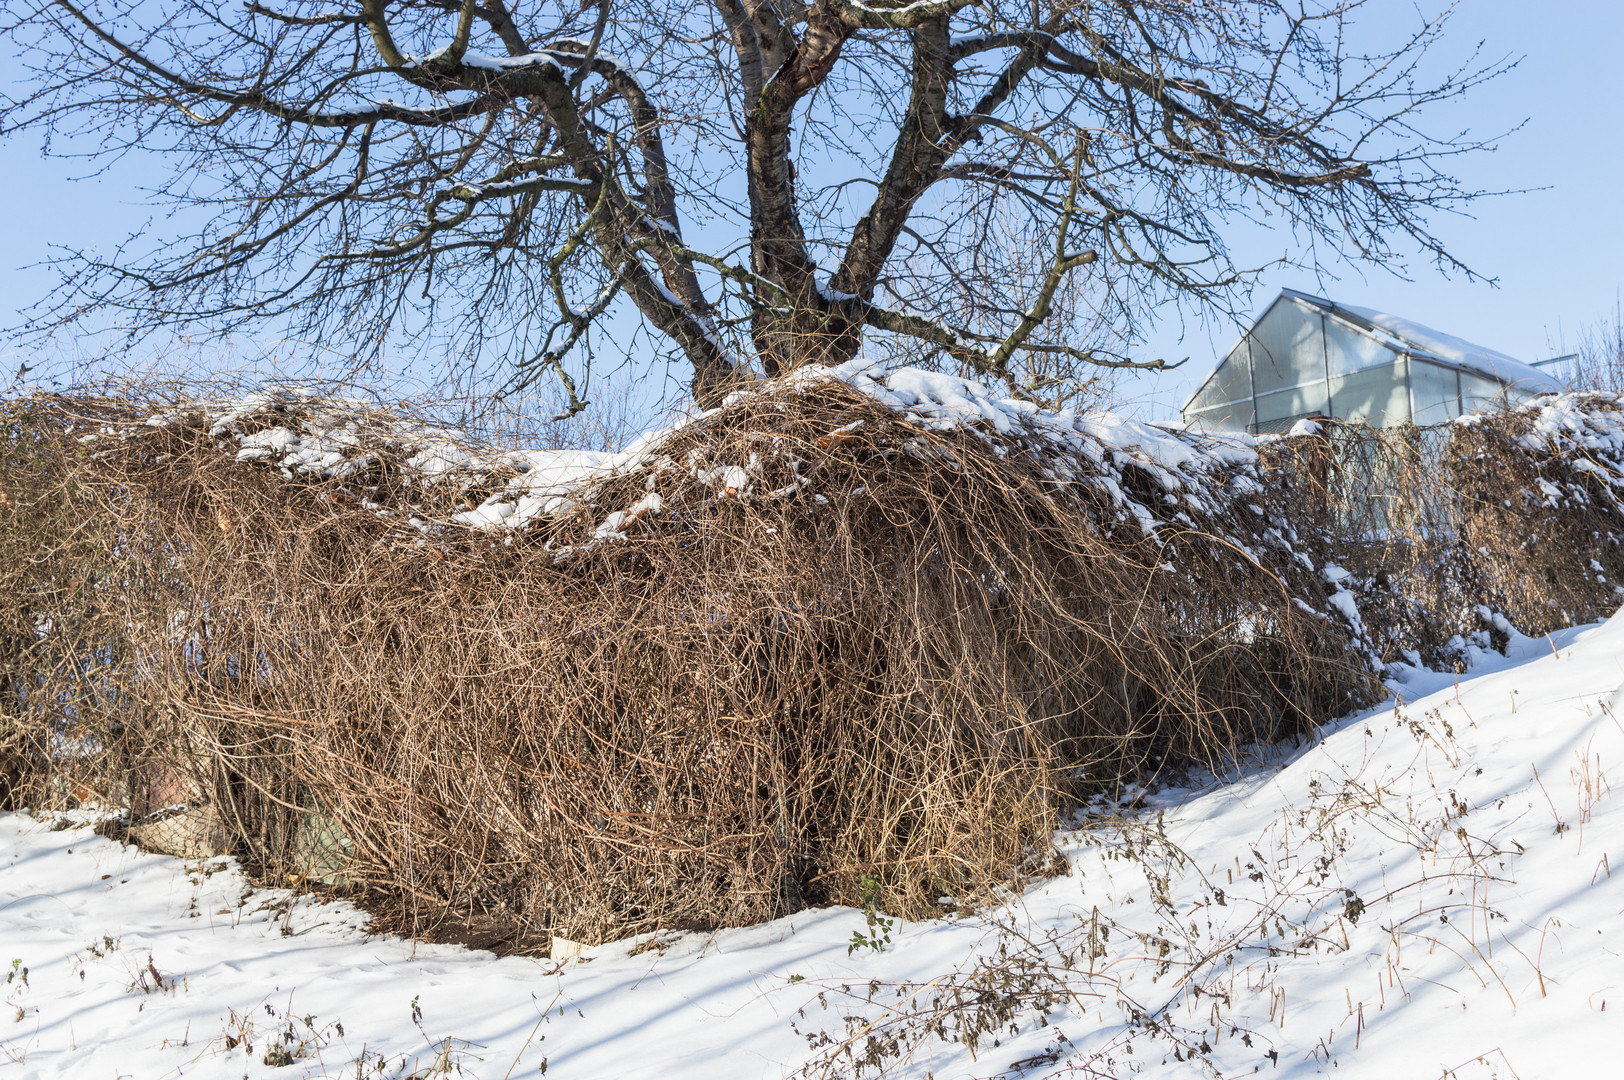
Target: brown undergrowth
x,y
894,653
1464,532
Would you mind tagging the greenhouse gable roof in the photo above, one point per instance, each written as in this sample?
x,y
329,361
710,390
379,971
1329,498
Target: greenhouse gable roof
x,y
1423,342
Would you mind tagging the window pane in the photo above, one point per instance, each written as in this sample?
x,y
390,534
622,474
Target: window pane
x,y
1375,396
1235,417
1287,348
1298,401
1482,395
1347,350
1434,392
1281,426
1231,382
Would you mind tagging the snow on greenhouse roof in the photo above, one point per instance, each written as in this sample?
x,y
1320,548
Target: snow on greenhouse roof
x,y
1423,341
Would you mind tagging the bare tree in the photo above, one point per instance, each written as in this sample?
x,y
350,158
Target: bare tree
x,y
767,181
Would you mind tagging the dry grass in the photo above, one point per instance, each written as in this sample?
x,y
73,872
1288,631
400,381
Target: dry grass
x,y
1467,530
903,664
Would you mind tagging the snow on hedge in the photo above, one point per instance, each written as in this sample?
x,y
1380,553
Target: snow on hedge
x,y
335,438
1583,432
305,434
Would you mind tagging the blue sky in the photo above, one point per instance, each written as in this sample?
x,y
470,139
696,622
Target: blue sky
x,y
1557,249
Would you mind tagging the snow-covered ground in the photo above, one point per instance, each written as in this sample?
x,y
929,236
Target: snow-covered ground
x,y
1427,892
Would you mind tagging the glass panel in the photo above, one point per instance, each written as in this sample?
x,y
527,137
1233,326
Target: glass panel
x,y
1483,395
1231,382
1298,401
1375,396
1287,348
1205,397
1434,393
1348,350
1234,417
1281,426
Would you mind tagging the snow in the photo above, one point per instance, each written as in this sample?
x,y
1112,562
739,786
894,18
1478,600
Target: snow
x,y
1584,432
600,57
338,438
1344,602
1153,477
941,402
1574,422
968,42
830,293
889,12
1428,888
1186,462
507,63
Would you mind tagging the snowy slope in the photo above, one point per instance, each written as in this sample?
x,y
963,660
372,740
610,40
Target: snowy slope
x,y
1427,892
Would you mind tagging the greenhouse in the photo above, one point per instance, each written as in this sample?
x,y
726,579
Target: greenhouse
x,y
1308,357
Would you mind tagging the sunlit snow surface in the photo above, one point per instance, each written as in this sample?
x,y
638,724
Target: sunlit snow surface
x,y
1490,942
